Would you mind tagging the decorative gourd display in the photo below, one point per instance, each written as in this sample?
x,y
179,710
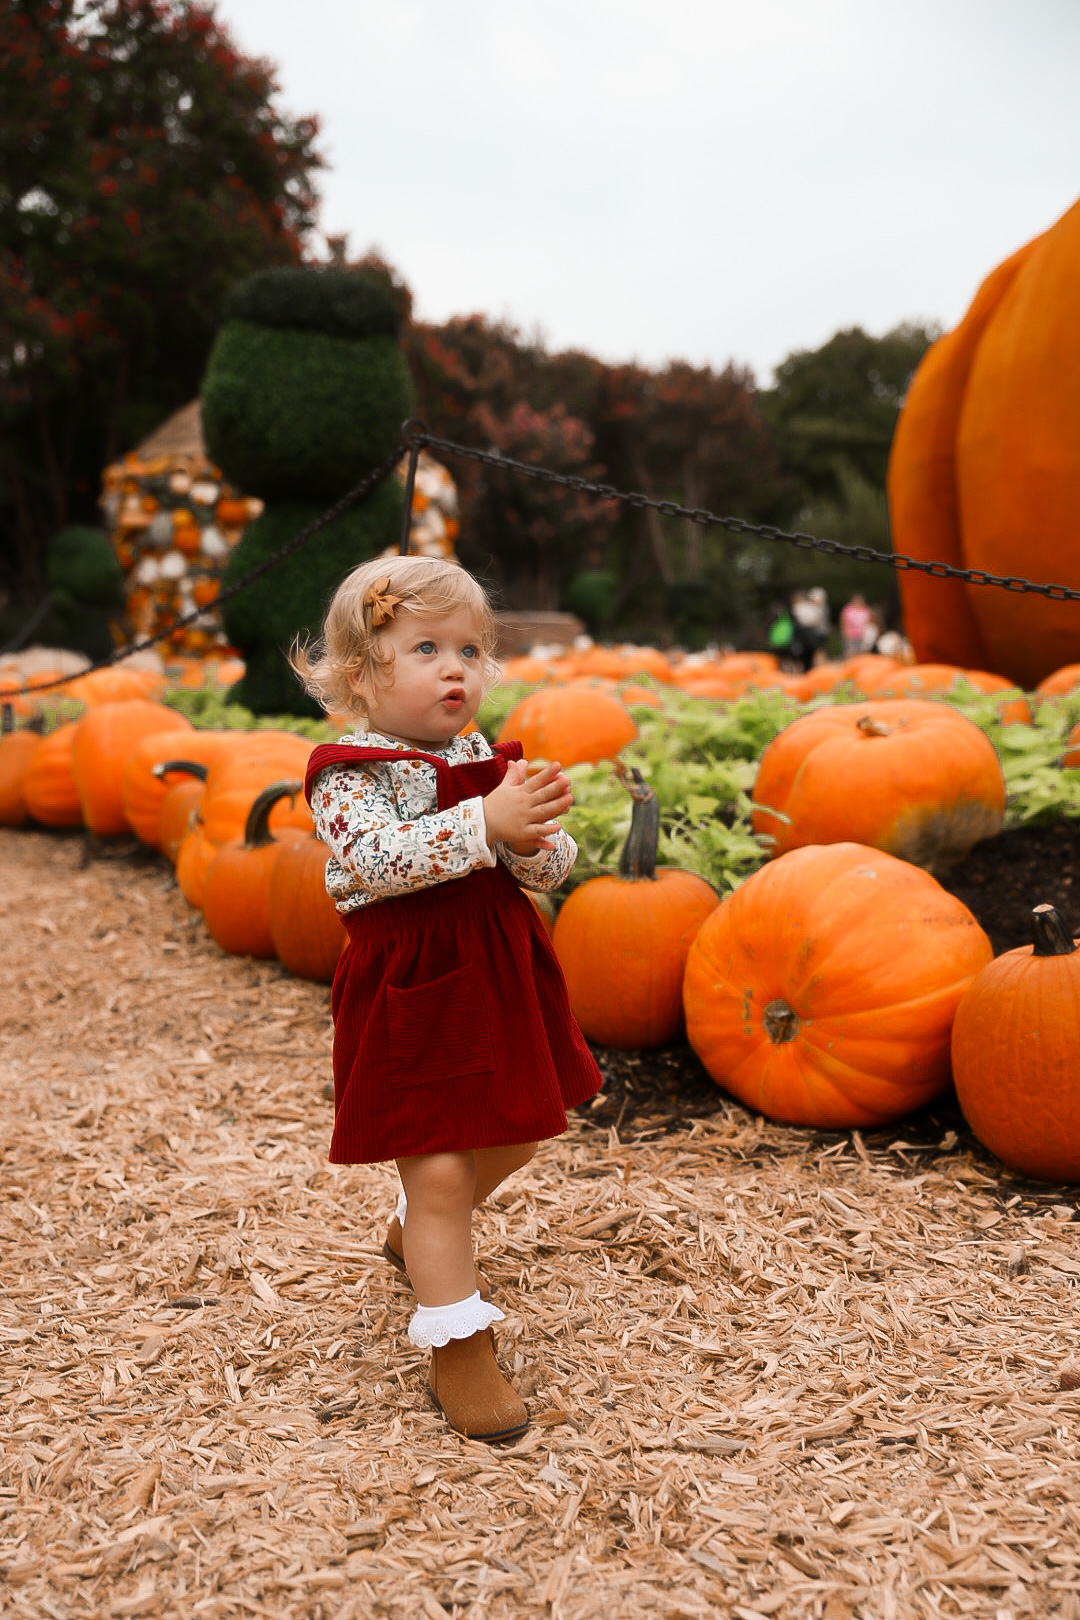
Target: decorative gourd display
x,y
17,749
622,941
1014,1051
306,928
105,737
236,893
49,788
822,992
573,724
914,778
985,468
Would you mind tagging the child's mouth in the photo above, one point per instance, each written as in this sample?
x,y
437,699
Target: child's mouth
x,y
455,699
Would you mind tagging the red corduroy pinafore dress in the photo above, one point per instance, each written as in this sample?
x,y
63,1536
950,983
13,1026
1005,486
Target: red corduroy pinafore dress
x,y
452,1025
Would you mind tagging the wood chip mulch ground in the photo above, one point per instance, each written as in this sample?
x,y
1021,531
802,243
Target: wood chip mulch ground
x,y
770,1372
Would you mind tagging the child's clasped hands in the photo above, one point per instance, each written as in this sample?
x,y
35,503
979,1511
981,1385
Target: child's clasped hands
x,y
521,812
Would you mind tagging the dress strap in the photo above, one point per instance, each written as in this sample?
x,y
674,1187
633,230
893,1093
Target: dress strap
x,y
453,782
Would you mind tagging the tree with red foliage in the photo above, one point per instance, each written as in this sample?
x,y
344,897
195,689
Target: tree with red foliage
x,y
481,384
144,168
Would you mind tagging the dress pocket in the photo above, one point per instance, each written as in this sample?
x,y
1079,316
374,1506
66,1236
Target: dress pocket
x,y
438,1030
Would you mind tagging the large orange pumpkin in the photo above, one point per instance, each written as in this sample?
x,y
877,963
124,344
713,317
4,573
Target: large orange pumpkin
x,y
1014,1048
106,735
49,788
985,468
914,778
306,927
822,992
17,749
572,724
622,941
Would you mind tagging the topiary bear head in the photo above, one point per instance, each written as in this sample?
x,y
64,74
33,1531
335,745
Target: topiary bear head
x,y
306,387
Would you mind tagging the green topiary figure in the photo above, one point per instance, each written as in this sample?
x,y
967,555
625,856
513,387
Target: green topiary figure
x,y
86,584
305,391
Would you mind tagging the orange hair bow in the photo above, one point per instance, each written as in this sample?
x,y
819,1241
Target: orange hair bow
x,y
379,598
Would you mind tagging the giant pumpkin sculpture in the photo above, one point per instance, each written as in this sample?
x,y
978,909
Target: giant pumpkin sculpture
x,y
822,992
985,468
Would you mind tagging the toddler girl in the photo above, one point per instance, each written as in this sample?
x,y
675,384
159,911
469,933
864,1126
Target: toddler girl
x,y
454,1046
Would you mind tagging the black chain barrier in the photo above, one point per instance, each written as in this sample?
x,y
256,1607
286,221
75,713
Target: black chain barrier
x,y
415,436
416,433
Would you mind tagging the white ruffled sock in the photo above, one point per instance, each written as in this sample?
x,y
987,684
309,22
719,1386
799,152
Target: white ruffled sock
x,y
433,1325
402,1206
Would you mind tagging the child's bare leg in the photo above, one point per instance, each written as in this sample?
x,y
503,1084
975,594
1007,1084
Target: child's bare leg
x,y
493,1165
437,1236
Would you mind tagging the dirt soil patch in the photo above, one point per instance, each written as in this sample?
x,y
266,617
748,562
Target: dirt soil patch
x,y
770,1371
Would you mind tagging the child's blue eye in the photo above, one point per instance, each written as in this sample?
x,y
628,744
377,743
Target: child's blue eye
x,y
470,652
426,647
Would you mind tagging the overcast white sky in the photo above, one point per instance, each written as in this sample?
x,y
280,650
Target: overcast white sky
x,y
709,180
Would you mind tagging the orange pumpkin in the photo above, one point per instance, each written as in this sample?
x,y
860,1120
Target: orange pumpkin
x,y
985,472
143,786
622,941
1061,682
49,788
180,804
114,685
306,927
231,512
1014,1046
572,724
257,759
822,992
106,736
17,749
194,856
236,894
914,778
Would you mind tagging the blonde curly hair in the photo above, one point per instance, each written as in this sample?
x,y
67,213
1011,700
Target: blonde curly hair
x,y
350,648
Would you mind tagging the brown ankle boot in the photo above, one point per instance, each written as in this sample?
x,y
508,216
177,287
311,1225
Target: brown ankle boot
x,y
472,1393
394,1250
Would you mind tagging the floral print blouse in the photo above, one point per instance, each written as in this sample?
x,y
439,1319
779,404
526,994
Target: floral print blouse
x,y
386,836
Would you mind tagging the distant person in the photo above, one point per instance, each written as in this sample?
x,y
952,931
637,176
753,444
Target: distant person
x,y
810,610
856,625
781,632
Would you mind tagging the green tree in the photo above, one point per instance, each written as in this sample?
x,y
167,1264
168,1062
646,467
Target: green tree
x,y
144,168
837,406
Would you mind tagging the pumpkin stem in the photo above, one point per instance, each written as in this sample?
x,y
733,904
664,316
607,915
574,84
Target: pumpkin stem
x,y
1051,936
187,767
7,718
782,1023
257,827
870,726
638,859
